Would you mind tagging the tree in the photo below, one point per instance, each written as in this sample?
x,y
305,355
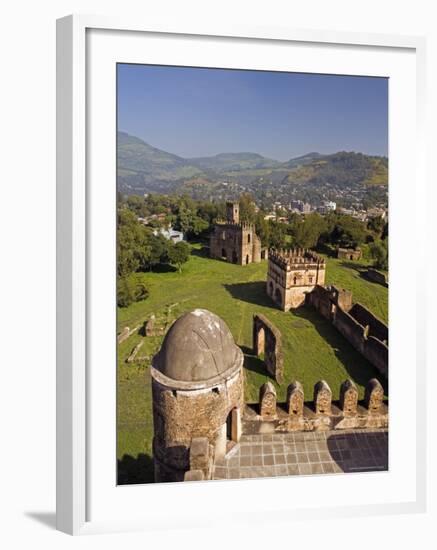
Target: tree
x,y
247,208
178,254
348,232
306,232
376,224
131,243
159,247
262,229
379,253
277,235
130,290
190,223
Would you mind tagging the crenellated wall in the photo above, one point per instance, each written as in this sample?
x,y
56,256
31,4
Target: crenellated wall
x,y
321,413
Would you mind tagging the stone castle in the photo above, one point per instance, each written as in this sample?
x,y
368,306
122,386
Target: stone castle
x,y
201,419
292,274
200,416
235,241
296,277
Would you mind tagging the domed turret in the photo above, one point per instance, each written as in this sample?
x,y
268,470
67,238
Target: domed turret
x,y
197,389
198,347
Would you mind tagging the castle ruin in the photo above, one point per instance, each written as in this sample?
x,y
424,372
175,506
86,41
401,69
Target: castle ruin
x,y
197,389
292,274
235,241
203,426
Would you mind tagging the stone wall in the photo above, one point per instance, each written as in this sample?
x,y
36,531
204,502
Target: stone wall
x,y
267,340
179,415
236,243
351,254
366,318
321,413
292,274
365,332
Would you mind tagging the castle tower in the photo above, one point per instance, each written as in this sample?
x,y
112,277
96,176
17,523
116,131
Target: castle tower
x,y
197,390
292,274
232,212
235,241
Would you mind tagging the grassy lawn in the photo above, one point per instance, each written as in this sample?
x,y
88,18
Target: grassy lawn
x,y
313,349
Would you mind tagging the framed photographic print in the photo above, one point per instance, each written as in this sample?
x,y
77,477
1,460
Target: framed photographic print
x,y
225,279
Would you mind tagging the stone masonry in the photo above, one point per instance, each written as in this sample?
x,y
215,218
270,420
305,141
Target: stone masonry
x,y
234,241
267,340
292,274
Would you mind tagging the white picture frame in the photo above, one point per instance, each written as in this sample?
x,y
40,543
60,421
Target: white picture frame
x,y
77,425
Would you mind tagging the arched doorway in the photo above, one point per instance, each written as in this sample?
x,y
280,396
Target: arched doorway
x,y
233,427
234,257
260,341
224,255
271,289
247,259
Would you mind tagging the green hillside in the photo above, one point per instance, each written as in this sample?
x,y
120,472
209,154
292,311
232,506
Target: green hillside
x,y
143,168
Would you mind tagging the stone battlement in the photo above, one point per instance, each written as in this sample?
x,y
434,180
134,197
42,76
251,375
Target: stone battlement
x,y
296,258
319,414
242,225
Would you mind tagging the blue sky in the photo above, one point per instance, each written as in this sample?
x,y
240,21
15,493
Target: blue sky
x,y
201,112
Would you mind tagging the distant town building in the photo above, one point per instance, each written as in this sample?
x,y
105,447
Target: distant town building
x,y
270,216
330,206
300,206
170,234
292,274
376,213
235,241
152,218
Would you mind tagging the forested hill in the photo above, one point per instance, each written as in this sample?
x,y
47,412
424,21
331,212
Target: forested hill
x,y
143,168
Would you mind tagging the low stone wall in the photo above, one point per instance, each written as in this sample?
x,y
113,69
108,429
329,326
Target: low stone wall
x,y
267,340
363,330
134,352
125,333
321,413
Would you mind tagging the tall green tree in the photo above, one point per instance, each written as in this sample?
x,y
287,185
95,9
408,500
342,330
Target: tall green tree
x,y
247,208
178,254
379,253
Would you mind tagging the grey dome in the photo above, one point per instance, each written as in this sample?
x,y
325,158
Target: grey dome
x,y
198,346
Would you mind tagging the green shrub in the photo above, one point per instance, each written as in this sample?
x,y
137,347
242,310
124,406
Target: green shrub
x,y
130,290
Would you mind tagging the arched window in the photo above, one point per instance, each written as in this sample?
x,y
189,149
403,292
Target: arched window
x,y
294,280
248,238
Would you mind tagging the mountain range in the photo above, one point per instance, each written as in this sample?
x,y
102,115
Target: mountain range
x,y
143,168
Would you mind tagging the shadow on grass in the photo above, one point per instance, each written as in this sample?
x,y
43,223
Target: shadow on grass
x,y
162,268
253,362
363,272
353,265
132,470
328,250
202,252
359,452
358,368
254,293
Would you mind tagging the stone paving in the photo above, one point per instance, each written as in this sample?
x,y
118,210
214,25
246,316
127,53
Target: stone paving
x,y
305,453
